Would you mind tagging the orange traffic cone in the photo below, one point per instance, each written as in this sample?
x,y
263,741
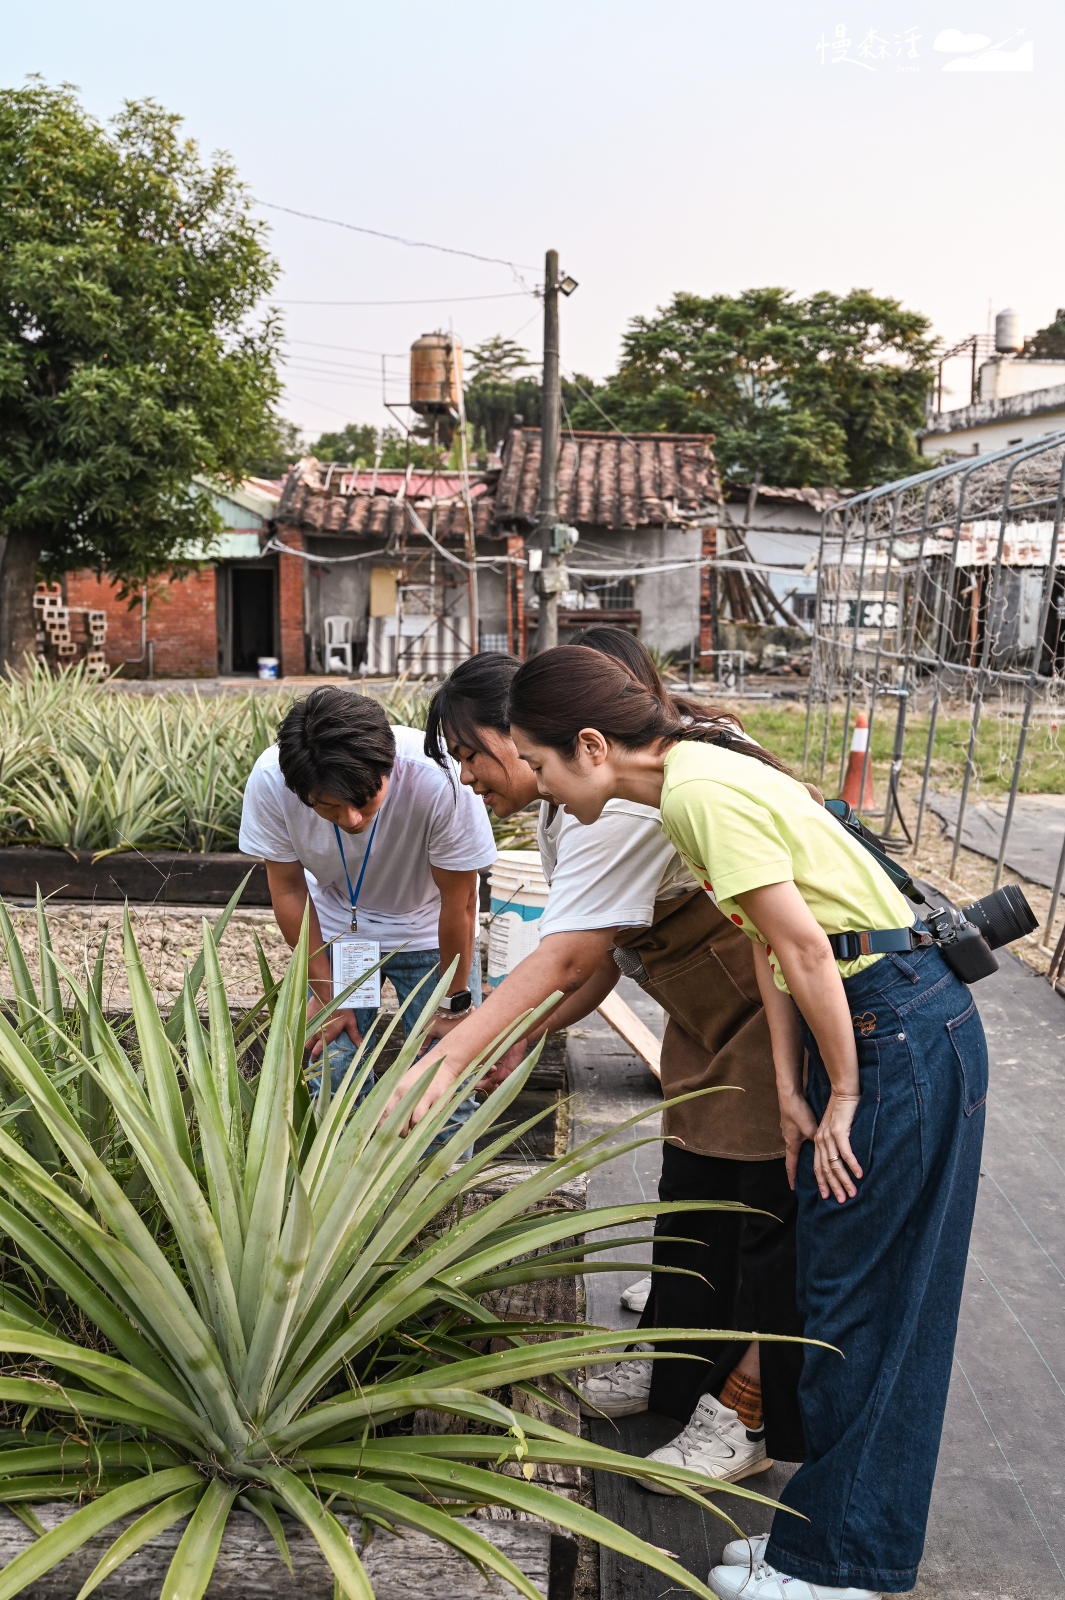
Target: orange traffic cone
x,y
852,783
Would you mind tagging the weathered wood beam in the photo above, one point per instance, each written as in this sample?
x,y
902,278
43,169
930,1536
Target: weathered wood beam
x,y
413,1567
171,877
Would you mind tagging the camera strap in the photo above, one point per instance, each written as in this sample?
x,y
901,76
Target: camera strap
x,y
848,819
877,942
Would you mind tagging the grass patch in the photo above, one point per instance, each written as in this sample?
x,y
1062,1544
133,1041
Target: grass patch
x,y
782,730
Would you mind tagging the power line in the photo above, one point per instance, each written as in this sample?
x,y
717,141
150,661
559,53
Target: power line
x,y
396,238
352,349
591,398
451,300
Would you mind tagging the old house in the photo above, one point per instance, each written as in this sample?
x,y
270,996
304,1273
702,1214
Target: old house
x,y
386,554
217,619
645,507
389,551
337,568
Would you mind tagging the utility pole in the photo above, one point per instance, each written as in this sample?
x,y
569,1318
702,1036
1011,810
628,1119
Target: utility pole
x,y
551,574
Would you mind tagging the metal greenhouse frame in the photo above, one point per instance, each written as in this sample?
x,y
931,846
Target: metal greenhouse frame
x,y
943,589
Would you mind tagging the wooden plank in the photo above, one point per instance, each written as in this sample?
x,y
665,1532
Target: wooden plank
x,y
171,877
636,1034
693,1536
414,1567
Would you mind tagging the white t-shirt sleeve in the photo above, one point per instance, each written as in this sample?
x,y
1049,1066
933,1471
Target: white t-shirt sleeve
x,y
263,829
608,874
460,834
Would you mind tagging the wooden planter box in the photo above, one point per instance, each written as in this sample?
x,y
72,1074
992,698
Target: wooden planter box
x,y
413,1567
169,877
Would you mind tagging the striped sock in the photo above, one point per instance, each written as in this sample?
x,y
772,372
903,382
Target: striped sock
x,y
744,1396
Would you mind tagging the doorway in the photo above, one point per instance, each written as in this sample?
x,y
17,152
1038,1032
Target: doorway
x,y
247,616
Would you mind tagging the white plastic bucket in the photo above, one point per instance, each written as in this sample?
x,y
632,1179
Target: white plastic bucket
x,y
268,666
518,893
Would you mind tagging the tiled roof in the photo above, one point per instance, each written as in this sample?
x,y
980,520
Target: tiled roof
x,y
343,506
609,481
824,498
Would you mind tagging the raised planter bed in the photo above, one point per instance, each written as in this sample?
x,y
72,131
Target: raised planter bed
x,y
169,877
413,1567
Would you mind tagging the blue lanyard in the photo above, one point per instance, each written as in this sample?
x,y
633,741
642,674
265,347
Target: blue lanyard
x,y
353,894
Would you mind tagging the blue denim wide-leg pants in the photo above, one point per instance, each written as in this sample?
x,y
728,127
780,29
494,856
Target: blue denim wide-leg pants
x,y
880,1277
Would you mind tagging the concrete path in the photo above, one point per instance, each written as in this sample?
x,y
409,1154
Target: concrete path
x,y
997,1527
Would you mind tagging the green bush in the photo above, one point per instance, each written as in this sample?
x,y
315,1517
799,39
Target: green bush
x,y
88,767
218,1293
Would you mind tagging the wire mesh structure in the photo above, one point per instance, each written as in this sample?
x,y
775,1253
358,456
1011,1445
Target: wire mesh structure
x,y
945,592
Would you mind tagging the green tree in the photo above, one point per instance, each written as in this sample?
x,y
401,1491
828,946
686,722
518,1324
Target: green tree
x,y
357,441
503,384
827,389
360,441
283,450
130,358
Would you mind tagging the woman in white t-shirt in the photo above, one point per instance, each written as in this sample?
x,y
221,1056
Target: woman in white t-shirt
x,y
606,882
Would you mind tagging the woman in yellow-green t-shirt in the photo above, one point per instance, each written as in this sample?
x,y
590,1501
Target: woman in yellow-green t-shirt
x,y
883,1138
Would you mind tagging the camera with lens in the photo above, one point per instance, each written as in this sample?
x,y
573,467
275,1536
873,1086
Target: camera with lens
x,y
968,938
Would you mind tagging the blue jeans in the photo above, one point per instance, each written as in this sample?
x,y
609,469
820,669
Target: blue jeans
x,y
406,968
880,1277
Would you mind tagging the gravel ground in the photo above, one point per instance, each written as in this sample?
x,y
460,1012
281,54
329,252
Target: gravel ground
x,y
169,939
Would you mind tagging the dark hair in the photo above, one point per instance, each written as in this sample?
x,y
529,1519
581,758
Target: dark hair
x,y
624,646
473,697
558,693
338,743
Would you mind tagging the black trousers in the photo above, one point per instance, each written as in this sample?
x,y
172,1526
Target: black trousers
x,y
746,1281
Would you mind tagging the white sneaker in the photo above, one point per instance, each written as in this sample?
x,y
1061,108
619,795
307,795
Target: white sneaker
x,y
715,1442
636,1296
617,1391
766,1583
745,1552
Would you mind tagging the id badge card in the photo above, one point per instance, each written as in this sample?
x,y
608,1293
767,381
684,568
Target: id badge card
x,y
352,958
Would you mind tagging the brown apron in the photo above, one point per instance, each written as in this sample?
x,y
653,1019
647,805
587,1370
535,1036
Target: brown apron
x,y
700,969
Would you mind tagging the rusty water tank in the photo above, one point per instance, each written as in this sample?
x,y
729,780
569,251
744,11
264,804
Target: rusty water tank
x,y
435,374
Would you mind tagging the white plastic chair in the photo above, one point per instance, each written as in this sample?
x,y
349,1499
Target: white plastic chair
x,y
338,657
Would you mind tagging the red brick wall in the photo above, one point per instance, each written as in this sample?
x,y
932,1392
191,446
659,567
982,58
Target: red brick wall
x,y
707,618
182,623
290,597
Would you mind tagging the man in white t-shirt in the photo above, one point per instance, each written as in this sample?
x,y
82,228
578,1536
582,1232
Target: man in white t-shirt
x,y
387,845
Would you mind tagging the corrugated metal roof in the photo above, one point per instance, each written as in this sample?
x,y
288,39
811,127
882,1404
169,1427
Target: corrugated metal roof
x,y
606,480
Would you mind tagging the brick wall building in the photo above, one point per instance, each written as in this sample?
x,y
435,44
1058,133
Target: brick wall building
x,y
217,619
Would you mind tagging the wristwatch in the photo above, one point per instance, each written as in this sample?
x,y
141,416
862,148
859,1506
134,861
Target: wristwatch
x,y
454,1004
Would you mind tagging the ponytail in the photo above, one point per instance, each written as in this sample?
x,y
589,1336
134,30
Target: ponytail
x,y
556,694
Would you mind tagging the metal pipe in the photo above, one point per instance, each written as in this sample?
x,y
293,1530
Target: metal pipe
x,y
135,661
813,641
1029,698
854,649
985,653
550,582
874,687
941,634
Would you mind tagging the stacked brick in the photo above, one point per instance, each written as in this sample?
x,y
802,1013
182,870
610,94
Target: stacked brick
x,y
69,634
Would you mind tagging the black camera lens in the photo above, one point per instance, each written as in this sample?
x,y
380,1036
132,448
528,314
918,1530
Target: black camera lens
x,y
1003,916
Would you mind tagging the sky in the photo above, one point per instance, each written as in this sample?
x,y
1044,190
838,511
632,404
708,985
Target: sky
x,y
659,145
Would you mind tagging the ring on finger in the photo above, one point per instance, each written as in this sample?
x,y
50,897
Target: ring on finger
x,y
834,1161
